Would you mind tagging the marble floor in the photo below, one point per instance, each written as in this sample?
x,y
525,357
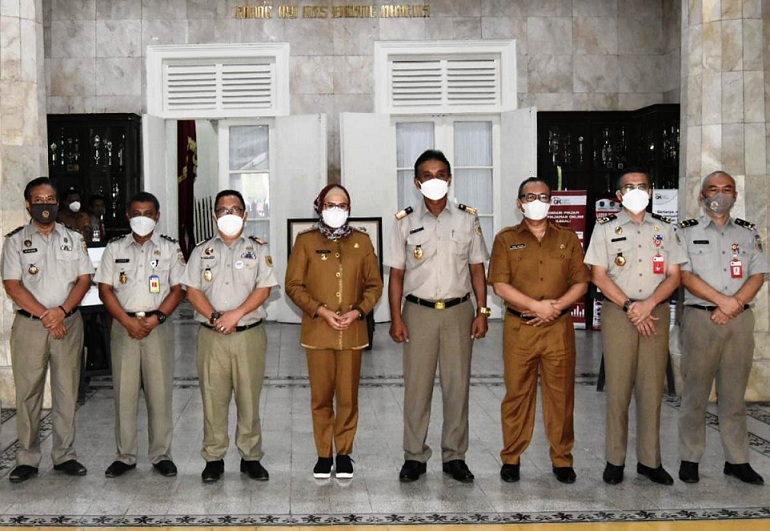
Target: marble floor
x,y
374,496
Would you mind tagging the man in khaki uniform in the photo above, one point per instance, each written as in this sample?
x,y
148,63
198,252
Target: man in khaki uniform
x,y
436,258
139,285
537,268
727,268
228,278
46,272
635,261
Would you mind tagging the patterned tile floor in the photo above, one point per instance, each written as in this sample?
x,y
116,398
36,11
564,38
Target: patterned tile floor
x,y
374,496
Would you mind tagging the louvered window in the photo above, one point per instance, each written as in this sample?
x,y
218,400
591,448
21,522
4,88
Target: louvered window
x,y
448,77
217,81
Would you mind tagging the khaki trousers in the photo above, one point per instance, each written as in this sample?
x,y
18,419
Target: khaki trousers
x,y
724,352
634,364
334,372
149,361
551,351
443,338
227,365
32,350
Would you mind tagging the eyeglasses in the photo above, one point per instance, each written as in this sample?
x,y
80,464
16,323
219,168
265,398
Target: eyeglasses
x,y
628,187
341,206
528,198
236,211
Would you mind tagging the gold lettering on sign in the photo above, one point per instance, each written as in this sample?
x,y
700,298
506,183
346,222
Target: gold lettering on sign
x,y
254,11
293,11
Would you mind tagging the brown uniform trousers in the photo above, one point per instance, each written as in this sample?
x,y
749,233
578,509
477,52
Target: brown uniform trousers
x,y
32,349
551,351
343,275
634,364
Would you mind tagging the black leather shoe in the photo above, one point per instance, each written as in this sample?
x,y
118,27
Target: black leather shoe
x,y
411,471
613,474
323,468
118,468
656,475
22,473
166,468
744,472
565,474
213,471
459,471
688,472
510,473
255,470
71,468
343,467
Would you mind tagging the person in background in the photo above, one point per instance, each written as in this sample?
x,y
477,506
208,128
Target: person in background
x,y
139,283
96,210
70,213
333,276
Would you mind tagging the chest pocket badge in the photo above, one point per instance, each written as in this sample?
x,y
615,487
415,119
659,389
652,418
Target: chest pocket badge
x,y
418,252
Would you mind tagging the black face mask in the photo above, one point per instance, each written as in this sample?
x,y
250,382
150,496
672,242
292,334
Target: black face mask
x,y
44,213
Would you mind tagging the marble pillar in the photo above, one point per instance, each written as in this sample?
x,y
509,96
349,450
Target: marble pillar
x,y
725,105
23,154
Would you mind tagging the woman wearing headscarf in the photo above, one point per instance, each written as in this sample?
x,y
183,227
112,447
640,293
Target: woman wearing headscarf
x,y
333,276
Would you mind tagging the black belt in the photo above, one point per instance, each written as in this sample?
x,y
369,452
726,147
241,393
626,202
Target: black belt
x,y
530,317
27,314
440,304
143,314
237,328
711,308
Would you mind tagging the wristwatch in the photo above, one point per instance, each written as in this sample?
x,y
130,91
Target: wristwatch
x,y
214,316
161,316
484,310
627,305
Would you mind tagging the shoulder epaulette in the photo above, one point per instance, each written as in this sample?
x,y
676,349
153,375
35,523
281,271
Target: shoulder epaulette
x,y
73,229
361,229
258,240
401,214
203,241
509,229
745,224
169,238
116,238
664,219
14,231
606,219
688,223
467,209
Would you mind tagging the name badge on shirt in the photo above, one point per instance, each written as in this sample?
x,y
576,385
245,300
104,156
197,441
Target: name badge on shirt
x,y
658,264
154,284
736,268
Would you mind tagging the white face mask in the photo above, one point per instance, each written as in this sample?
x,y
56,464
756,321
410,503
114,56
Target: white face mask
x,y
75,206
141,225
636,200
434,189
230,224
334,217
536,210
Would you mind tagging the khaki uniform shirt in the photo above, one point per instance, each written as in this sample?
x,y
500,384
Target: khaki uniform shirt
x,y
539,269
619,236
141,275
343,275
436,251
710,250
48,266
228,275
74,220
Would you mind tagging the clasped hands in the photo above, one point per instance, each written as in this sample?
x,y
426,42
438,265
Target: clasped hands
x,y
139,327
544,311
337,321
53,321
728,308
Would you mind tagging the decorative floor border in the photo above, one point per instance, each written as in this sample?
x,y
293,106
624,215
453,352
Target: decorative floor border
x,y
750,513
